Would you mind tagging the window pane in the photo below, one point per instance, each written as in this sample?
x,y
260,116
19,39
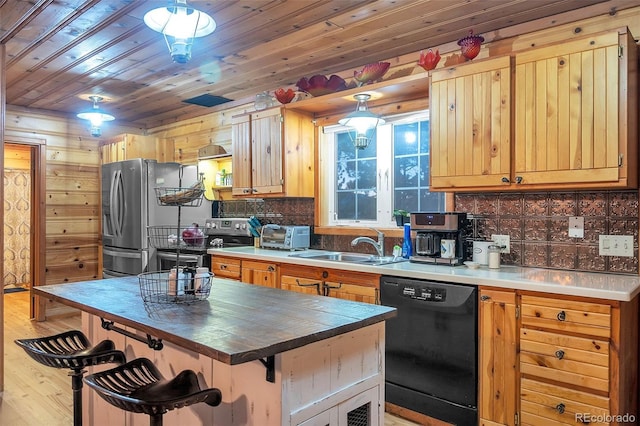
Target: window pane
x,y
356,180
406,171
405,138
411,169
408,199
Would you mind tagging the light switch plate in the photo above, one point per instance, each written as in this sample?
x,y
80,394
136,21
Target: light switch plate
x,y
615,245
502,240
576,227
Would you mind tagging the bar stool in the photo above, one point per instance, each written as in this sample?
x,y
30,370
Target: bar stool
x,y
138,386
72,350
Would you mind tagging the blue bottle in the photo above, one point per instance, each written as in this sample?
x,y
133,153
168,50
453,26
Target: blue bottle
x,y
407,249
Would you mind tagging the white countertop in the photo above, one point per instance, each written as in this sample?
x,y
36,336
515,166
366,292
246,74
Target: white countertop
x,y
586,284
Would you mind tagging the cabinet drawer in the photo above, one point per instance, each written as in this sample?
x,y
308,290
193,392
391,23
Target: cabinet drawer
x,y
225,267
592,319
569,359
545,404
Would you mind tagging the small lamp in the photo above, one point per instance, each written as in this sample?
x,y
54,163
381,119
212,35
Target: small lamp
x,y
363,121
95,116
179,24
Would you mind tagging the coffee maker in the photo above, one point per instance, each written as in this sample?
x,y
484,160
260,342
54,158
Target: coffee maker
x,y
429,229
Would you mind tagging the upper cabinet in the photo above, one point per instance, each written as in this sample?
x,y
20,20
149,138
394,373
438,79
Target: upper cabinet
x,y
574,107
273,154
127,146
576,113
470,124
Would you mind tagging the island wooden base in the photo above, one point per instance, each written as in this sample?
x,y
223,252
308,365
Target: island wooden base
x,y
317,384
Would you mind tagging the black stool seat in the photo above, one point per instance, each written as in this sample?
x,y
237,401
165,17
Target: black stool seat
x,y
139,387
72,350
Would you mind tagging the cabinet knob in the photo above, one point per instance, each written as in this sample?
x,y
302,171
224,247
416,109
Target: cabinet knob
x,y
561,316
505,179
559,354
245,191
560,408
519,179
223,266
452,107
270,268
484,297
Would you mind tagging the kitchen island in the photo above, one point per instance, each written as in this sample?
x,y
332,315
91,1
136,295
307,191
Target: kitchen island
x,y
278,357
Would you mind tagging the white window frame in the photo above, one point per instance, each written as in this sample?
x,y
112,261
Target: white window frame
x,y
385,184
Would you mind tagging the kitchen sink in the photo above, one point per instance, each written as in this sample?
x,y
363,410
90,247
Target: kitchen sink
x,y
368,259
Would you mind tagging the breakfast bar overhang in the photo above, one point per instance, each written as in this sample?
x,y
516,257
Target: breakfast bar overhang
x,y
278,357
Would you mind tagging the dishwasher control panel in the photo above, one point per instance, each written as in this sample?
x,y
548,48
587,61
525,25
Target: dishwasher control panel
x,y
429,294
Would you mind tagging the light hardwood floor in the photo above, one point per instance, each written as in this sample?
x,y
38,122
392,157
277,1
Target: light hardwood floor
x,y
36,395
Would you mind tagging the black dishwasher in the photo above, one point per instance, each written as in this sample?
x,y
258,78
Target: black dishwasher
x,y
432,348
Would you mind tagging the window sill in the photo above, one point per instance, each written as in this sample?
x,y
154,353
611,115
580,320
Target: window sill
x,y
358,231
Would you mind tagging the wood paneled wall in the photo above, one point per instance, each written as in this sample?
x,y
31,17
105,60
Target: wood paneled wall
x,y
72,209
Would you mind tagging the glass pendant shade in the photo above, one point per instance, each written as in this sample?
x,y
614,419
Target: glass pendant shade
x,y
363,121
179,24
95,116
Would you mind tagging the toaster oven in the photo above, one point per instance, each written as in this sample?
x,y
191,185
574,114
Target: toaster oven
x,y
285,237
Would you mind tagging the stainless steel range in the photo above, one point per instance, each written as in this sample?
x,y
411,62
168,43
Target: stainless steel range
x,y
220,232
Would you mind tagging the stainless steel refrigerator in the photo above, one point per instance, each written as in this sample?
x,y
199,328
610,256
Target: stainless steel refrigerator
x,y
129,207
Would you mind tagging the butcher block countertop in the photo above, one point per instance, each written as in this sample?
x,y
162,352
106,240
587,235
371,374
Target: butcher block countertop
x,y
617,287
238,323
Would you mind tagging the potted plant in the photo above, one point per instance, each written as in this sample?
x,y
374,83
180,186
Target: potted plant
x,y
402,216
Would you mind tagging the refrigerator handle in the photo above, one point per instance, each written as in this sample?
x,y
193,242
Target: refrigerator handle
x,y
116,205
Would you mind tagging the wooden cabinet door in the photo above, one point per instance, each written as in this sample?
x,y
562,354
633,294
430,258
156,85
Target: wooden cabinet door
x,y
225,267
267,156
355,292
497,357
572,103
259,273
241,155
470,107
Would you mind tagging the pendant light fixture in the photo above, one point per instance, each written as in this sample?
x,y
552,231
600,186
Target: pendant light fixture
x,y
363,121
95,116
179,24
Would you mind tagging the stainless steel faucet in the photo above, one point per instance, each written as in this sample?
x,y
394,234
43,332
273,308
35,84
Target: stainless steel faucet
x,y
379,245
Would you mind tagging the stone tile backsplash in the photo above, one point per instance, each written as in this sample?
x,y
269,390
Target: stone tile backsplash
x,y
538,224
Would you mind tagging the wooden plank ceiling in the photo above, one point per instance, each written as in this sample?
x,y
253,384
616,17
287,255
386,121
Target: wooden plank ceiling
x,y
61,51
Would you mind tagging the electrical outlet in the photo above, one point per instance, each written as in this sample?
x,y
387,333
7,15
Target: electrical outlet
x,y
615,245
502,240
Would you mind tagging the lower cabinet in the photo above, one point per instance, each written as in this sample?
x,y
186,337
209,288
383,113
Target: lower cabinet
x,y
348,285
497,357
556,360
226,267
359,410
260,273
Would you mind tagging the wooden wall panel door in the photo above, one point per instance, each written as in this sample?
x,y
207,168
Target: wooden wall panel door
x,y
471,130
241,158
267,150
567,112
497,353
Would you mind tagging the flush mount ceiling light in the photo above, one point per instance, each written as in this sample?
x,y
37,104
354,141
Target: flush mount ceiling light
x,y
363,121
95,116
179,24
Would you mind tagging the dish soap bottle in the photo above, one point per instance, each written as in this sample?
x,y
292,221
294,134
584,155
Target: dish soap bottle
x,y
407,250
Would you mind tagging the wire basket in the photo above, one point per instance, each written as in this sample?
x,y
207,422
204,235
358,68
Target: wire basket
x,y
185,197
173,237
160,287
